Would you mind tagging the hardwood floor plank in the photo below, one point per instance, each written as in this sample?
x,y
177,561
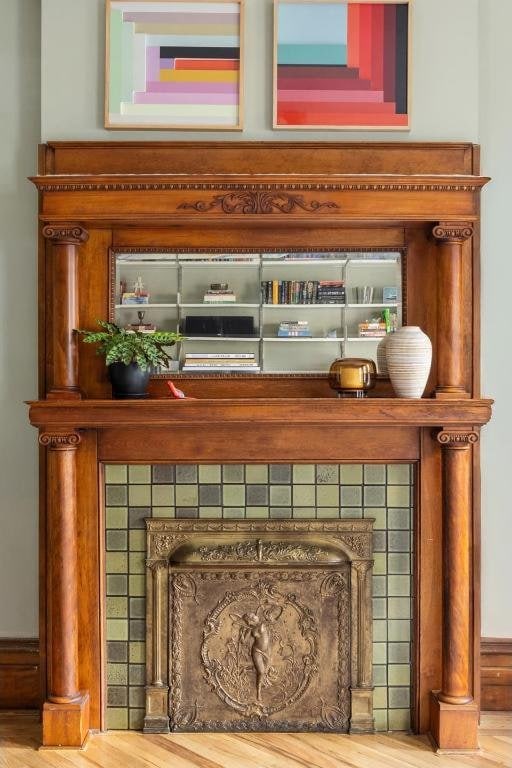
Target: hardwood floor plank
x,y
288,747
195,758
150,750
219,747
20,738
496,747
354,751
263,752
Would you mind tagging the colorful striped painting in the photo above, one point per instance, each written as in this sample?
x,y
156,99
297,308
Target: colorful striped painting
x,y
341,64
174,64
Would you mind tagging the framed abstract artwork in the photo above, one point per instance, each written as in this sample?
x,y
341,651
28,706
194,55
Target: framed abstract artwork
x,y
174,65
341,64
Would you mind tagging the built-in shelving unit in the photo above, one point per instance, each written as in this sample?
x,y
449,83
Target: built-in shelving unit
x,y
176,283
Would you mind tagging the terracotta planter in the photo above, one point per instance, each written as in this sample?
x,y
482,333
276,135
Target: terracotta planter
x,y
408,358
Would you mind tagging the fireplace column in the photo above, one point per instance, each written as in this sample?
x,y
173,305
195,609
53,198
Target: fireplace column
x,y
66,711
65,239
451,351
454,714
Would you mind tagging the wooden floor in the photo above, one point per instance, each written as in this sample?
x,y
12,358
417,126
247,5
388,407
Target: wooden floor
x,y
20,738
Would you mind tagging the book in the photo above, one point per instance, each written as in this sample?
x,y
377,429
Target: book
x,y
217,363
303,291
133,298
228,298
215,355
220,369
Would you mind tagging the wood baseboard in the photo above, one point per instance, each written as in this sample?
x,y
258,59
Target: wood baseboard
x,y
20,683
19,673
496,672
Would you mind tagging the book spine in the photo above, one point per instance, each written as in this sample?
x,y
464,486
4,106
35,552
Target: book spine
x,y
217,355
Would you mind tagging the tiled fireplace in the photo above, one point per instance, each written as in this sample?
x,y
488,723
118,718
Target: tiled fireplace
x,y
258,492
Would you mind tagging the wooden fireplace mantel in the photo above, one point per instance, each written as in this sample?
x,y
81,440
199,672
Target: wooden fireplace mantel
x,y
420,199
378,412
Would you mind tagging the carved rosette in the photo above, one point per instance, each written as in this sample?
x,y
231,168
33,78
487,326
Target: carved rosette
x,y
453,231
60,441
457,439
257,202
73,234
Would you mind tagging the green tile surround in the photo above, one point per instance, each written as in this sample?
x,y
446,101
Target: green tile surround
x,y
238,491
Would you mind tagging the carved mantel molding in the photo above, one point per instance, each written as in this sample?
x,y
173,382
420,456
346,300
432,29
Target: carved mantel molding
x,y
258,202
453,231
60,441
457,438
72,234
270,183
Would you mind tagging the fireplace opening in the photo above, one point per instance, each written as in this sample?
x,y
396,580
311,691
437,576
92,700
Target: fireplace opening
x,y
262,625
265,536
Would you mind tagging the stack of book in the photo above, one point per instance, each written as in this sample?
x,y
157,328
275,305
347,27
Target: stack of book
x,y
139,295
303,291
219,362
294,328
373,329
219,293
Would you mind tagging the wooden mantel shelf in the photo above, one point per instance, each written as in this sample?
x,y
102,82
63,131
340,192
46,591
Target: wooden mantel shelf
x,y
384,412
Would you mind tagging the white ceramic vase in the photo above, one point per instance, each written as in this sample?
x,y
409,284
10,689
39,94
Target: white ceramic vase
x,y
382,365
409,357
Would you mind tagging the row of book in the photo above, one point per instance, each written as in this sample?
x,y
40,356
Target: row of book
x,y
219,293
220,362
303,291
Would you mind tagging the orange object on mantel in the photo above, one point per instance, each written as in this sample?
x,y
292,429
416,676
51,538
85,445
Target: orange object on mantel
x,y
177,394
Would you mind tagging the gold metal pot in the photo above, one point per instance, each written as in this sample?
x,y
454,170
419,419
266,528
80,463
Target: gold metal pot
x,y
352,376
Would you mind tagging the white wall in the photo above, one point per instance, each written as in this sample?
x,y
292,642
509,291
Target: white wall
x,y
446,106
19,135
496,140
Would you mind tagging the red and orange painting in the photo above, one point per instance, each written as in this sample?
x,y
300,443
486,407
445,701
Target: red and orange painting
x,y
341,64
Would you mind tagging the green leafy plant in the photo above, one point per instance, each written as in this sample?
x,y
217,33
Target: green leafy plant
x,y
119,345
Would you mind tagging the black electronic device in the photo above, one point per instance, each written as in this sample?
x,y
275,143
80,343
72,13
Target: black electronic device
x,y
218,325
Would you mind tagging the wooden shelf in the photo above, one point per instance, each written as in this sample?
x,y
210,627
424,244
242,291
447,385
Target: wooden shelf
x,y
140,307
219,304
392,305
303,338
303,306
382,412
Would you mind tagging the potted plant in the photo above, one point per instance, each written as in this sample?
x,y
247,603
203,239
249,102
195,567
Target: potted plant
x,y
130,355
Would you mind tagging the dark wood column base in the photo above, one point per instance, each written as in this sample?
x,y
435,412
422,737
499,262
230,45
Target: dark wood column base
x,y
453,727
66,725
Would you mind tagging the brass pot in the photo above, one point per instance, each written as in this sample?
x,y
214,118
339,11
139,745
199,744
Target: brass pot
x,y
352,376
